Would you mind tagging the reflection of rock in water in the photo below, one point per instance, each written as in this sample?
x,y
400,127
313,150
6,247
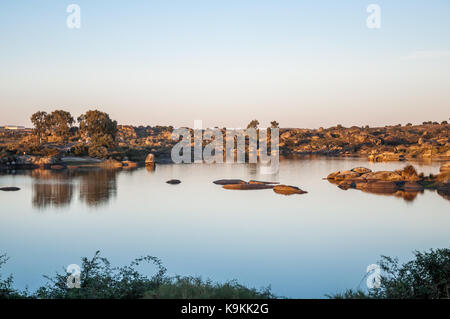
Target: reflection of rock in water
x,y
444,193
51,188
150,167
408,196
97,186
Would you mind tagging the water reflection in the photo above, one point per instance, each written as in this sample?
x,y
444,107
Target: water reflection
x,y
444,193
407,195
150,168
98,186
50,189
56,188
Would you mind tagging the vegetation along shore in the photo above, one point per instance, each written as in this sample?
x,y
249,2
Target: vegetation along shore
x,y
427,276
58,141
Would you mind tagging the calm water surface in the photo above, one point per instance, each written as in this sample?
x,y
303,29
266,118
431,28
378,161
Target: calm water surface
x,y
302,245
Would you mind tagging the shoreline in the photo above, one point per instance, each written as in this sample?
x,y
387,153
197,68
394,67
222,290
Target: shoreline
x,y
71,162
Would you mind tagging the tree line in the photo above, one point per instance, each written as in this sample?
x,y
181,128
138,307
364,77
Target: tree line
x,y
95,128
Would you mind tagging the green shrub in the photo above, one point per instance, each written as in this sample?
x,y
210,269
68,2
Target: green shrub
x,y
196,288
6,289
425,277
99,280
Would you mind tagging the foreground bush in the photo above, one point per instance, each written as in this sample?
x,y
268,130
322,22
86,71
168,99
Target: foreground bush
x,y
196,288
425,277
6,289
98,280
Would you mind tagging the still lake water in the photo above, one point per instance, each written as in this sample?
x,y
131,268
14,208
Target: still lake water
x,y
304,246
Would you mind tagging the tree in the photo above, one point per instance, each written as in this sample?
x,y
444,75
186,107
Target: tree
x,y
274,124
253,124
60,123
40,122
98,127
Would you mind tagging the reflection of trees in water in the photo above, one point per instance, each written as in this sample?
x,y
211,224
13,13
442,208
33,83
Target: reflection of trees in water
x,y
98,186
51,189
55,188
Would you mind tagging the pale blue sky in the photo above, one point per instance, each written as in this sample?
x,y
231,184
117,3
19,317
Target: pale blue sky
x,y
305,64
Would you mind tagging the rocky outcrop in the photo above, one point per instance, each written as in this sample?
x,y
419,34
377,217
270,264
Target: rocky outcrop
x,y
238,184
388,143
288,190
386,157
382,176
343,175
398,183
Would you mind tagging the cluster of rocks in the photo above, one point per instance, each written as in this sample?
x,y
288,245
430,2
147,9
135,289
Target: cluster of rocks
x,y
238,184
157,139
391,182
389,143
58,162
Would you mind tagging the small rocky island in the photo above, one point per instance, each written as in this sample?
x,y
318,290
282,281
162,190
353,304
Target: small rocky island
x,y
405,183
238,184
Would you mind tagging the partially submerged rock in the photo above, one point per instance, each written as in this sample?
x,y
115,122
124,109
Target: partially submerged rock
x,y
247,186
263,183
229,181
400,183
288,190
150,159
9,189
173,181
